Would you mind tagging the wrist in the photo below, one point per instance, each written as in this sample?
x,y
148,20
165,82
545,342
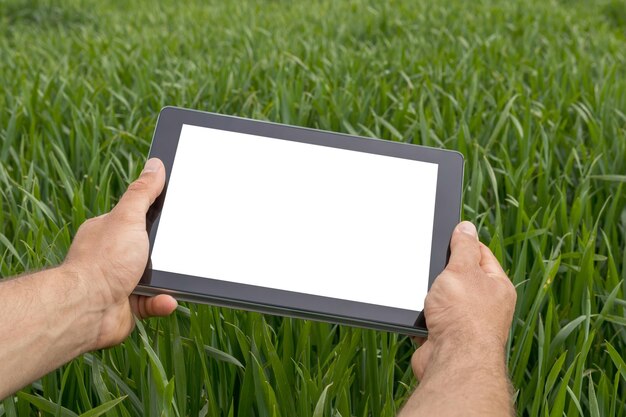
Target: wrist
x,y
107,317
80,306
463,374
45,319
474,349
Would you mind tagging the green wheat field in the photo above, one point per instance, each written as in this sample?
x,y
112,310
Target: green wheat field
x,y
533,93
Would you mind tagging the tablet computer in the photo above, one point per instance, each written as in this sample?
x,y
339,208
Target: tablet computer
x,y
299,222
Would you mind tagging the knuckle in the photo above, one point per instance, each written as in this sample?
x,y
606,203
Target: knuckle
x,y
126,216
89,224
121,214
467,242
416,362
508,291
427,302
454,267
139,185
512,292
458,267
415,358
509,285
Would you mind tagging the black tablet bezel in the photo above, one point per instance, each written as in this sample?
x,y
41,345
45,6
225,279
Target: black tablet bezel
x,y
268,300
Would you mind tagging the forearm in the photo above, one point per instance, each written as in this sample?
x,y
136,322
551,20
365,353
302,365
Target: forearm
x,y
45,323
463,382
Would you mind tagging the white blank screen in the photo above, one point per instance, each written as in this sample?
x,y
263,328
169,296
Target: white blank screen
x,y
298,217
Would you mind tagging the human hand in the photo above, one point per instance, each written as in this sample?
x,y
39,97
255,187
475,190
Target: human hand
x,y
469,308
108,257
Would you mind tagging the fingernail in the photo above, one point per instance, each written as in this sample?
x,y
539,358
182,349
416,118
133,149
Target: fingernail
x,y
152,165
467,228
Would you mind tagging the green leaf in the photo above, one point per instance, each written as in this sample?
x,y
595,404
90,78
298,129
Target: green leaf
x,y
46,405
8,407
554,373
222,356
617,359
610,177
594,409
101,409
560,337
321,403
559,401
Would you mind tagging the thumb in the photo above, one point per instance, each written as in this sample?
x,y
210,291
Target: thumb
x,y
141,193
464,247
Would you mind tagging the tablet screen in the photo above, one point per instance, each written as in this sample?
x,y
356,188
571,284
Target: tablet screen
x,y
298,217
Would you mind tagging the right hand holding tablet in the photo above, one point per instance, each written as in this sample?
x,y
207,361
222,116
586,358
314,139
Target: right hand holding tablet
x,y
469,308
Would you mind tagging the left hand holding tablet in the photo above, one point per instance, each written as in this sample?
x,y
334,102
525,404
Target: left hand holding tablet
x,y
49,317
109,254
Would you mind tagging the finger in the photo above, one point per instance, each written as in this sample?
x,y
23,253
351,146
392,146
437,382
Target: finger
x,y
464,247
142,192
420,359
488,262
158,306
419,340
